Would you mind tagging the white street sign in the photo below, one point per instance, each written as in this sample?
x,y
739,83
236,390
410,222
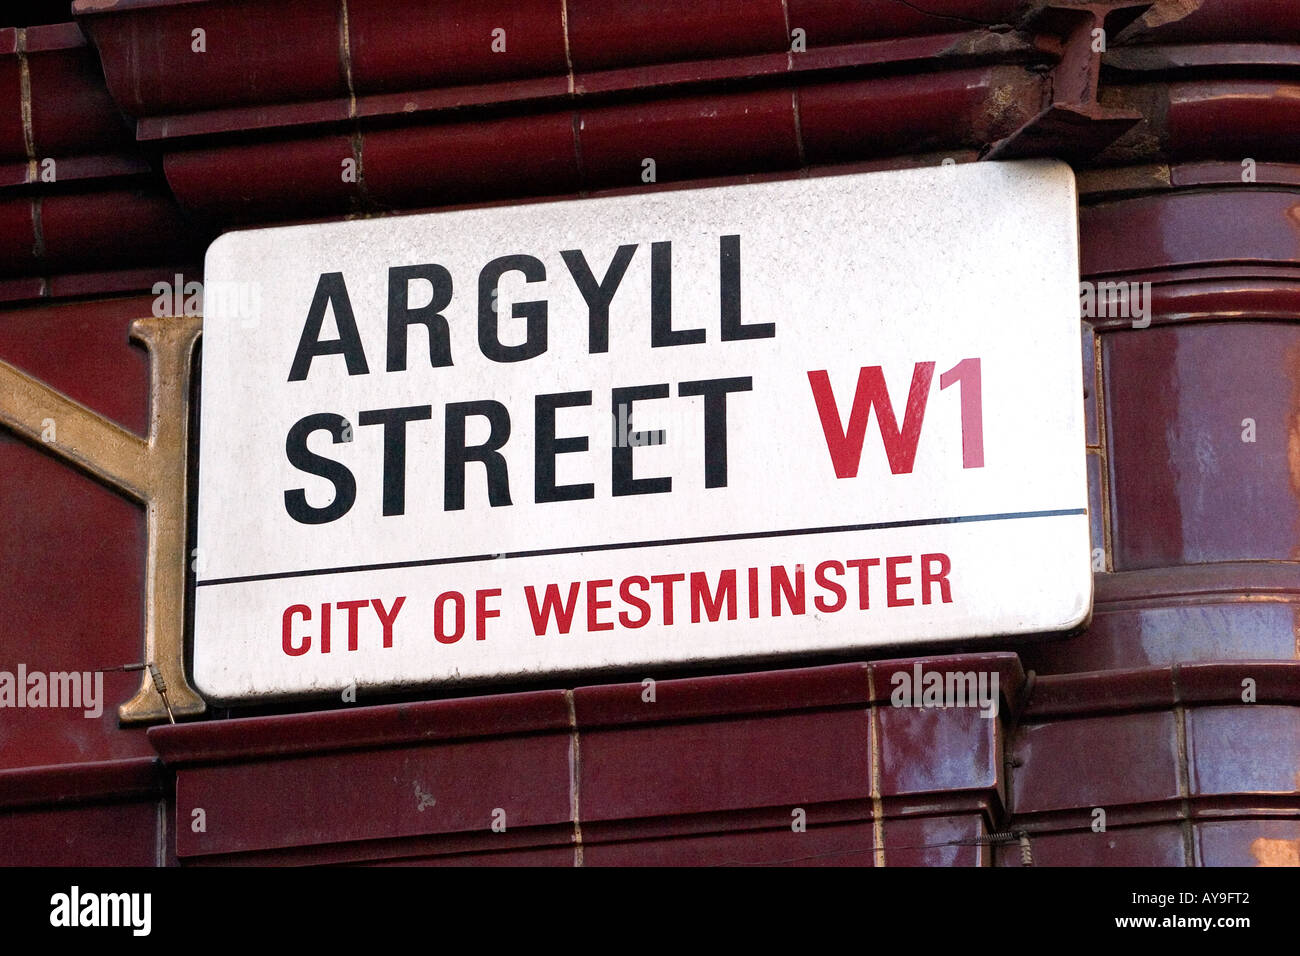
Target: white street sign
x,y
826,414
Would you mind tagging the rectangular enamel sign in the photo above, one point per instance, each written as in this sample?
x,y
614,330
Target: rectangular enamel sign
x,y
825,414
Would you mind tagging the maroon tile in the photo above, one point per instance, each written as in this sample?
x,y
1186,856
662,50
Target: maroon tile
x,y
111,834
152,67
1160,636
748,694
113,229
264,181
1101,691
844,21
788,760
1249,748
71,111
1159,845
12,140
1095,762
1249,842
936,841
688,137
1096,511
413,44
1091,400
1184,228
467,162
605,35
374,794
534,857
1255,109
71,550
837,844
1186,488
911,114
1270,682
930,750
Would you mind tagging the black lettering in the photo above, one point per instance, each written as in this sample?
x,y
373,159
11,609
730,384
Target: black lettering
x,y
345,486
394,421
729,285
623,481
457,454
598,296
489,332
662,332
401,316
715,392
330,290
548,446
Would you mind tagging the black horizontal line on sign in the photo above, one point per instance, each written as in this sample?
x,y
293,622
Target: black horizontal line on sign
x,y
623,545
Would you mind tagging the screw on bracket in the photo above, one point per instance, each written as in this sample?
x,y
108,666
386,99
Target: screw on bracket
x,y
1074,125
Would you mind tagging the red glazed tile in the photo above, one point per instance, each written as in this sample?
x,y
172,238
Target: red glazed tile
x,y
747,694
1091,399
1248,748
1256,110
1160,845
413,44
837,21
605,34
71,551
351,728
468,162
550,856
1100,692
1187,486
862,119
788,760
152,66
17,238
1184,228
838,844
113,229
1095,762
688,137
1249,842
265,180
1232,682
1160,636
12,141
375,794
112,834
936,841
1221,22
933,750
1096,512
70,106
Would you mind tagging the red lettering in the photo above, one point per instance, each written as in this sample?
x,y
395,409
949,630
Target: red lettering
x,y
286,636
667,580
482,612
864,593
352,607
439,617
551,606
794,597
386,618
845,444
841,596
628,598
712,603
594,604
939,577
893,580
967,373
